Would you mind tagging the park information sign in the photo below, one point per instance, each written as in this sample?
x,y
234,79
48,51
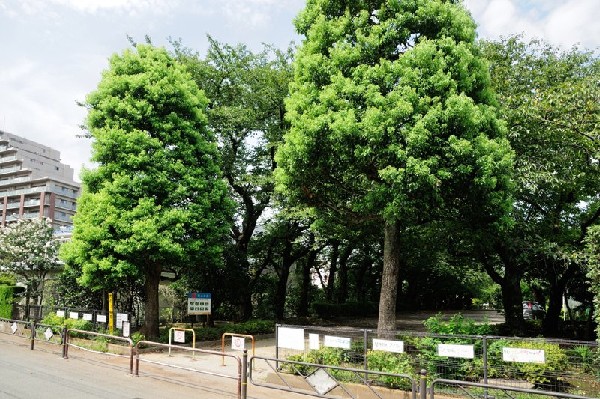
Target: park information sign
x,y
199,303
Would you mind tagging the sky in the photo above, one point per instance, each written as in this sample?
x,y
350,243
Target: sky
x,y
53,52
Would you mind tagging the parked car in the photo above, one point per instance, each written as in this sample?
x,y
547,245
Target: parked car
x,y
533,310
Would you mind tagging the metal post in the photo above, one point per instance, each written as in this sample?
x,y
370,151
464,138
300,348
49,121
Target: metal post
x,y
245,374
277,346
423,386
65,343
32,326
485,366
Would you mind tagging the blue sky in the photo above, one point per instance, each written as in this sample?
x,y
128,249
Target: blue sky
x,y
53,51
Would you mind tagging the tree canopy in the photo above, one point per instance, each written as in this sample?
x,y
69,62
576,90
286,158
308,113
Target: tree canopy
x,y
157,200
392,119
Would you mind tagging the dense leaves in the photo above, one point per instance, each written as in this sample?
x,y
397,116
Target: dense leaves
x,y
157,200
392,119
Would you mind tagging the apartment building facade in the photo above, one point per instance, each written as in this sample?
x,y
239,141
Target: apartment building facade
x,y
34,183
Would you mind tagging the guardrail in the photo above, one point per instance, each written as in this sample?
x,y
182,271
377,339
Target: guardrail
x,y
67,337
239,336
324,379
242,364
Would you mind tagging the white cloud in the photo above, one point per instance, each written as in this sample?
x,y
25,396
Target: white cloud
x,y
42,7
560,22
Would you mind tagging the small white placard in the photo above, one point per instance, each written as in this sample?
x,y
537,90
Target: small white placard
x,y
313,342
321,381
48,334
522,355
101,318
60,313
238,343
337,342
388,346
179,336
121,317
456,350
290,338
74,315
87,317
13,327
126,329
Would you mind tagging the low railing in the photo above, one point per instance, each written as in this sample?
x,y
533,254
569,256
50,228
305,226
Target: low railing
x,y
242,364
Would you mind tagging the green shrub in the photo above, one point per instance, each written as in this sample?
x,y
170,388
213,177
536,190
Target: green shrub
x,y
6,301
393,363
457,325
57,323
539,374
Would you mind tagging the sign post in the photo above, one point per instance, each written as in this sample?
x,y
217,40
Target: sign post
x,y
199,303
111,314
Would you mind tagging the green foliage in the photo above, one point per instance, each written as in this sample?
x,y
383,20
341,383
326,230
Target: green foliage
x,y
556,361
7,279
137,337
250,327
392,120
157,198
592,253
6,301
57,323
394,363
457,325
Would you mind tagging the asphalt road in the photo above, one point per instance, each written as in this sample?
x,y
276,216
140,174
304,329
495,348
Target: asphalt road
x,y
43,373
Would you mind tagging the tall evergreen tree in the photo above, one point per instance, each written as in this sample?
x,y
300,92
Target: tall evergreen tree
x,y
392,119
157,200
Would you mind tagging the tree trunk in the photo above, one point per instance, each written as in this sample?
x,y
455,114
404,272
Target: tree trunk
x,y
306,283
332,271
342,294
389,279
512,299
152,308
283,275
551,321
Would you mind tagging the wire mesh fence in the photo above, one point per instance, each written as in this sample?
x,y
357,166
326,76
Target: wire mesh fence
x,y
570,367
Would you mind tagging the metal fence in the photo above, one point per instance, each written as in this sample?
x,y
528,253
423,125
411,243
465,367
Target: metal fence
x,y
569,367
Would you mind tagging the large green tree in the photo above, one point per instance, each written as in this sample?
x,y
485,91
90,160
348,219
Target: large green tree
x,y
246,113
157,200
550,99
392,120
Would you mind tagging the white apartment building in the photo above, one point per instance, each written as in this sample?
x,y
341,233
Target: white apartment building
x,y
34,183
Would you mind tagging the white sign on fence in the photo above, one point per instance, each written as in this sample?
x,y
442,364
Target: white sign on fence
x,y
456,350
87,316
238,343
522,355
74,315
313,342
121,317
388,346
290,338
60,313
337,342
101,318
179,336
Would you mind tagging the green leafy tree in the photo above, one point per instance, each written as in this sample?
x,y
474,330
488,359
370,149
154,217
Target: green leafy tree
x,y
592,251
29,251
246,113
157,200
551,101
392,120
